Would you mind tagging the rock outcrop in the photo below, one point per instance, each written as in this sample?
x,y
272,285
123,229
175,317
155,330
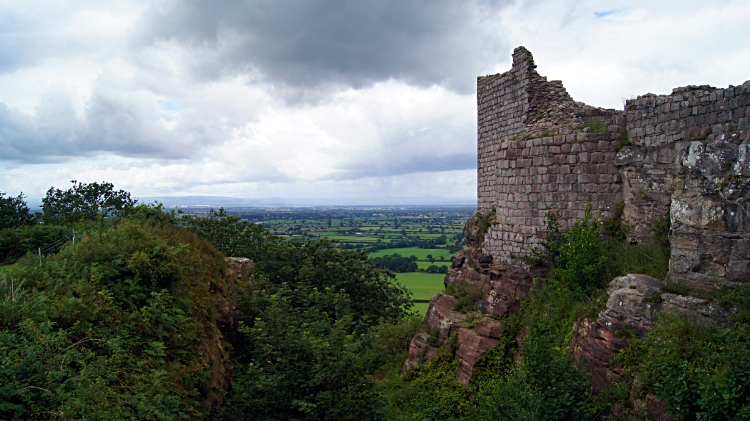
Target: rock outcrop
x,y
635,302
500,287
215,348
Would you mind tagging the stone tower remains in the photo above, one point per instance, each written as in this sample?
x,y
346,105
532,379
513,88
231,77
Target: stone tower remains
x,y
685,156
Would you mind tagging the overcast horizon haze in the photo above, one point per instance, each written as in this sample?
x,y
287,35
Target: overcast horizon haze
x,y
315,99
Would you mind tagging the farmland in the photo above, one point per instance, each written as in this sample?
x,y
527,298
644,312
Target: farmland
x,y
432,234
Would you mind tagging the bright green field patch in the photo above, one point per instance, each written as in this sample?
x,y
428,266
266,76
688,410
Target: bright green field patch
x,y
414,251
422,286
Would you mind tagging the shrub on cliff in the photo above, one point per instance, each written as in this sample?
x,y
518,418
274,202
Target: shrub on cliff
x,y
302,358
110,328
701,371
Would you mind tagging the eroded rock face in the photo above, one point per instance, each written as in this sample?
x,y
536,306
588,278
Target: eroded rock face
x,y
634,304
215,346
503,286
419,351
505,293
710,214
471,347
595,343
442,316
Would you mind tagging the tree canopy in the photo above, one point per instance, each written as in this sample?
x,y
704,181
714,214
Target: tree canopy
x,y
85,201
14,212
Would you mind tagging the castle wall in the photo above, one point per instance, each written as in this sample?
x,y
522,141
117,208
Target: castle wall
x,y
685,155
534,152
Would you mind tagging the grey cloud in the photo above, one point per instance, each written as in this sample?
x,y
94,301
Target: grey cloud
x,y
112,122
314,43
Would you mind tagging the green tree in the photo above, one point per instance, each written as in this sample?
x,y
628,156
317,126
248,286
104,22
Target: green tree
x,y
85,202
302,359
14,212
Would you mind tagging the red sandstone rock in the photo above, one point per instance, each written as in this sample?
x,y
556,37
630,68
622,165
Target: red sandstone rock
x,y
490,328
441,316
471,348
597,345
419,350
504,298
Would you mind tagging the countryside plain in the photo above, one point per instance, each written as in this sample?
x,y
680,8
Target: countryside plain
x,y
433,233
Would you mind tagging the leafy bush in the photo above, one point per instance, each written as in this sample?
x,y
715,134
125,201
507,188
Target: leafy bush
x,y
546,386
467,296
701,371
303,359
14,212
428,392
85,201
579,254
374,292
14,243
111,328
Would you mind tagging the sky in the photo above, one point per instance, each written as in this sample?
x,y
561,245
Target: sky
x,y
324,98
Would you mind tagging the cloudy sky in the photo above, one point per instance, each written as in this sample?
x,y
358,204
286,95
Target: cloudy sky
x,y
324,98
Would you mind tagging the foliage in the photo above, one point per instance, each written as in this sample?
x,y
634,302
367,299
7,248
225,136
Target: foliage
x,y
596,125
436,269
701,371
396,263
303,359
428,392
14,212
579,255
85,202
110,328
14,243
467,296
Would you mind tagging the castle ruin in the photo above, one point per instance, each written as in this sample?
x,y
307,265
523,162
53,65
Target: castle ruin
x,y
685,156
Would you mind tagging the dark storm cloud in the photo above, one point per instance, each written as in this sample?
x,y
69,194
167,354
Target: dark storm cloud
x,y
313,43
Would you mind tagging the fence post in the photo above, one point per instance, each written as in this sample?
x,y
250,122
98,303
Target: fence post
x,y
74,237
40,257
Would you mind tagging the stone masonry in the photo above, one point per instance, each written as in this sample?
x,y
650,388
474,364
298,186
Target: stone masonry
x,y
686,155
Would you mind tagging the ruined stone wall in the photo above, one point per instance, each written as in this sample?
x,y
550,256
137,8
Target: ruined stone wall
x,y
535,150
689,160
686,155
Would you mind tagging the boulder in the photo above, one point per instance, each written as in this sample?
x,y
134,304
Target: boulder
x,y
471,348
419,350
634,299
490,328
506,293
442,316
697,308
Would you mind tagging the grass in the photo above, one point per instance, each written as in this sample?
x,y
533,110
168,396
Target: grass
x,y
4,269
414,251
422,286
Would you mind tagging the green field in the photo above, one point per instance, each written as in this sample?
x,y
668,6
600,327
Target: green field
x,y
414,251
422,286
